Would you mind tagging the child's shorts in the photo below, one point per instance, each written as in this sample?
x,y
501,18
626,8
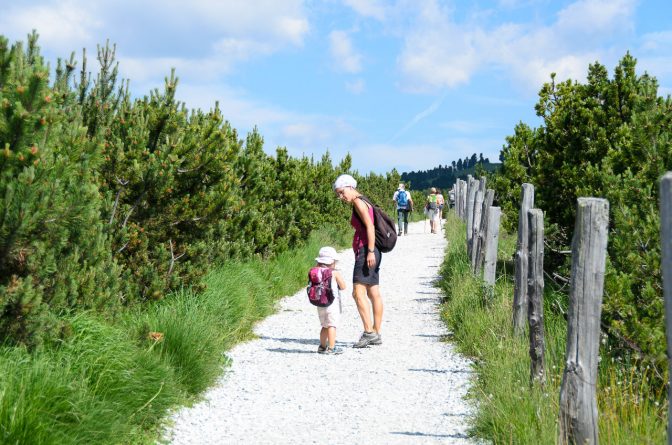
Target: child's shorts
x,y
330,316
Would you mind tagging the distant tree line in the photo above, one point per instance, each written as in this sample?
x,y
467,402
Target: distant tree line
x,y
444,176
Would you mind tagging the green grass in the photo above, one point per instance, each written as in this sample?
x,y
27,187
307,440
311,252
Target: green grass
x,y
110,383
509,409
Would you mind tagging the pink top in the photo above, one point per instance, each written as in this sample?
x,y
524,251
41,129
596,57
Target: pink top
x,y
361,238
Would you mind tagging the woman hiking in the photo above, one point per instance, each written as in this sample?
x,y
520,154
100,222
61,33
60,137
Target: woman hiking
x,y
365,279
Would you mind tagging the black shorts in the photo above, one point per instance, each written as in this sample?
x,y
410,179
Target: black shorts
x,y
361,273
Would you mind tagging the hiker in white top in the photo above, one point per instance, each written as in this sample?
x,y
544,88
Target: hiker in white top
x,y
330,315
432,210
402,198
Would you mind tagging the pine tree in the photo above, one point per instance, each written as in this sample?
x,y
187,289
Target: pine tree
x,y
54,253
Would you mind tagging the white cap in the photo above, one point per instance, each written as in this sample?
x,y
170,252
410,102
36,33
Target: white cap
x,y
327,255
345,181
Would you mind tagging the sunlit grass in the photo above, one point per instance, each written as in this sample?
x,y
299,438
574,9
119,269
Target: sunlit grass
x,y
114,382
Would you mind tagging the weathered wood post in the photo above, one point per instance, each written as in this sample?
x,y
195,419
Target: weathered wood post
x,y
479,255
463,204
471,196
520,261
578,402
476,223
666,239
535,295
459,205
481,184
458,198
491,244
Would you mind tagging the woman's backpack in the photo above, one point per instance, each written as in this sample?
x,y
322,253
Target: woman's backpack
x,y
386,233
319,288
432,202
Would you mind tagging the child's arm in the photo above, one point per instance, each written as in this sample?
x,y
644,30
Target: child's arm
x,y
339,279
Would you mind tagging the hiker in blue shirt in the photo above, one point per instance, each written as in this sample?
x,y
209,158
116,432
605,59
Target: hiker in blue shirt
x,y
404,202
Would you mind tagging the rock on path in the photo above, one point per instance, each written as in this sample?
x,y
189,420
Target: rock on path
x,y
409,390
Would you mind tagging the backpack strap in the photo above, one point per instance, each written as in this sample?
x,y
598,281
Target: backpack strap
x,y
368,203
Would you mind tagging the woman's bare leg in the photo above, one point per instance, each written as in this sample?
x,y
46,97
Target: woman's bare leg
x,y
377,303
363,306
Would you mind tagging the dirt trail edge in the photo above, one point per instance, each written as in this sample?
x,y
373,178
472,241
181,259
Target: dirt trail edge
x,y
409,390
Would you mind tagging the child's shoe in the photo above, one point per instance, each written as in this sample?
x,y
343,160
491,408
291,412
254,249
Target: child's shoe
x,y
333,351
321,349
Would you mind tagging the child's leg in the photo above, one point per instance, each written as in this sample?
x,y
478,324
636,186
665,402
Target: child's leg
x,y
324,334
331,334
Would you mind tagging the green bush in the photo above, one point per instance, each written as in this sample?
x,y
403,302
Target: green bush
x,y
54,251
608,138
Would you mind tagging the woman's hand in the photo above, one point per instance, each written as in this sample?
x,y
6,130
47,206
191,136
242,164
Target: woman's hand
x,y
371,260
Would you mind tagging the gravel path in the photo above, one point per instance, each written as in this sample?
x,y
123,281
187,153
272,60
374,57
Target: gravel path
x,y
409,390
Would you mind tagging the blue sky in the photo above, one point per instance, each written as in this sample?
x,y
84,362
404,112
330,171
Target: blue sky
x,y
407,84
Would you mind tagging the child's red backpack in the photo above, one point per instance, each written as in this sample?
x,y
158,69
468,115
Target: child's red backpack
x,y
319,286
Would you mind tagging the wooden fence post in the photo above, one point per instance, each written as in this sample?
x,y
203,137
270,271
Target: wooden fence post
x,y
465,197
535,295
459,206
479,249
491,242
475,224
578,402
471,196
520,261
666,240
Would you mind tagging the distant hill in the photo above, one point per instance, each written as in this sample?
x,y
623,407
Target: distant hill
x,y
444,176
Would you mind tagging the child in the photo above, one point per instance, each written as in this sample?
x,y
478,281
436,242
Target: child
x,y
330,315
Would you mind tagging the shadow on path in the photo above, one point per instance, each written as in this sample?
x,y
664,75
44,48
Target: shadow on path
x,y
291,351
300,341
442,371
417,433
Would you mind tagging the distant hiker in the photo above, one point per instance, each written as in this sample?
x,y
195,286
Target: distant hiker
x,y
404,202
367,261
441,202
324,286
432,209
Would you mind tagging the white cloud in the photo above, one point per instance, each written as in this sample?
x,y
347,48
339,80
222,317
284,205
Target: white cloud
x,y
368,8
596,16
657,41
344,55
356,86
439,52
267,20
65,26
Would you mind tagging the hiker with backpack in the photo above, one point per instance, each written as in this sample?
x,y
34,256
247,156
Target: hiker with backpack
x,y
365,276
404,202
432,209
441,201
324,286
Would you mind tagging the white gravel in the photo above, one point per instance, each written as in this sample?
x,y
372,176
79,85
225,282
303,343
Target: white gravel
x,y
409,390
